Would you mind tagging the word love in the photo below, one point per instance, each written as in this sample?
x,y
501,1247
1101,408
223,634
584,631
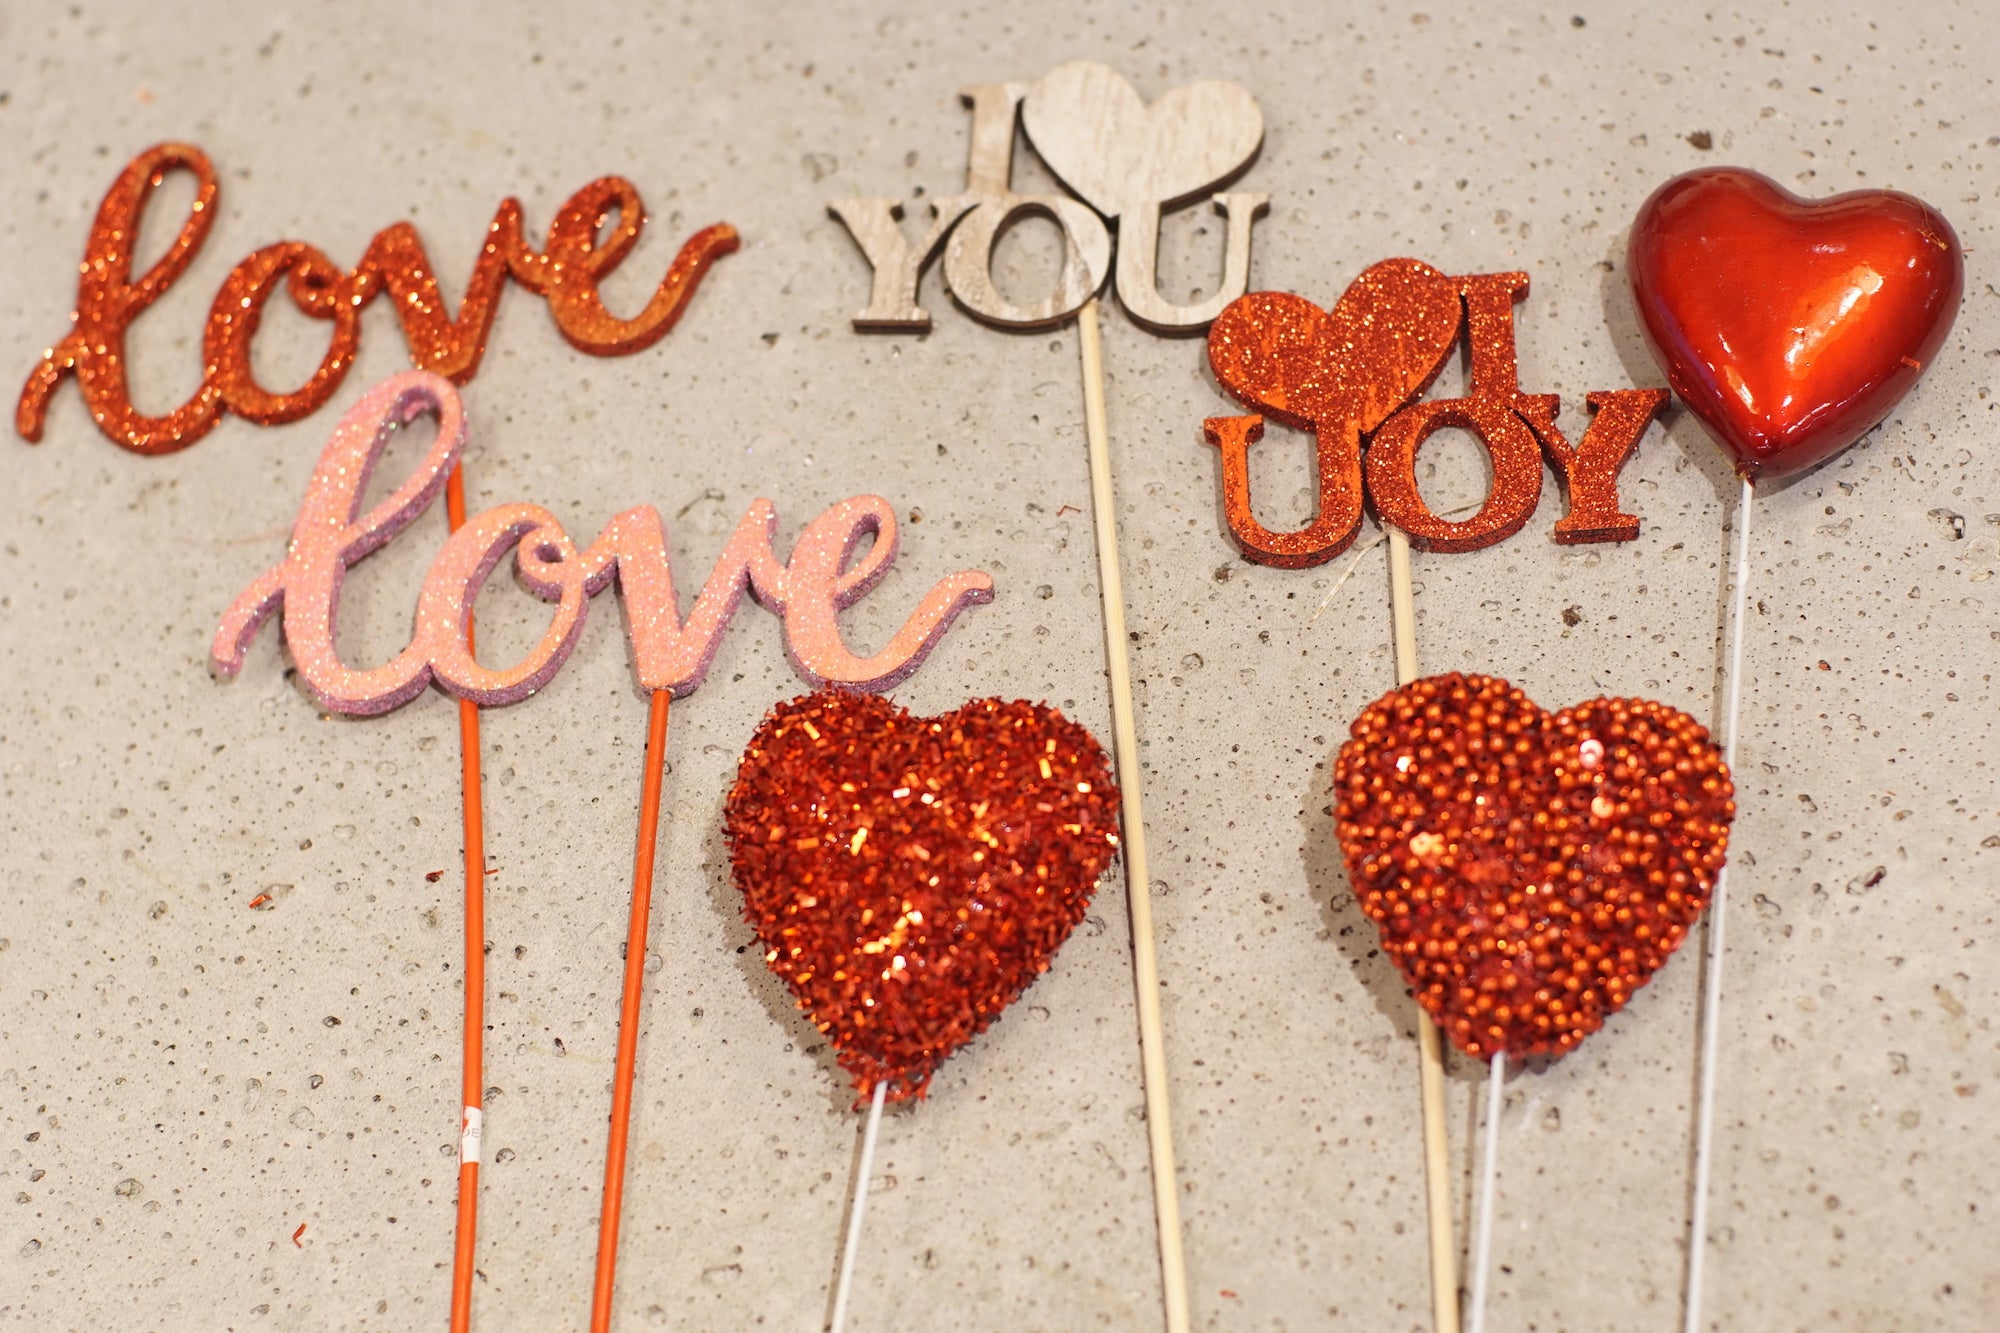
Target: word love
x,y
330,536
565,273
1349,375
1126,160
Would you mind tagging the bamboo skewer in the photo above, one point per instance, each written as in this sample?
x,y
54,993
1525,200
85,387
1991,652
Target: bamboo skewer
x,y
1430,1048
1138,891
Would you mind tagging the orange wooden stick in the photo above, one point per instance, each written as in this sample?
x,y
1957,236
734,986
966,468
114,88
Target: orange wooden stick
x,y
475,964
628,1013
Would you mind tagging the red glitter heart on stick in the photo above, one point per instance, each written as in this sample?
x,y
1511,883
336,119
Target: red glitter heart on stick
x,y
910,876
1528,870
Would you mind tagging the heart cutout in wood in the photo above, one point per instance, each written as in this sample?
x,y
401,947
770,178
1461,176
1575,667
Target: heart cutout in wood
x,y
1528,870
910,876
1093,130
1789,326
1380,346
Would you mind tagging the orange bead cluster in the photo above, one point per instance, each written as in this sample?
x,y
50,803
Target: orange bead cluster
x,y
910,876
1528,871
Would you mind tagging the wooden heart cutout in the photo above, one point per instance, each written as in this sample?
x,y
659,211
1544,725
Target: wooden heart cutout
x,y
1380,346
1790,327
1116,152
1528,870
910,876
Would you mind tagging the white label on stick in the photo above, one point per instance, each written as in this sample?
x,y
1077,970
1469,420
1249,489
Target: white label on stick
x,y
468,1135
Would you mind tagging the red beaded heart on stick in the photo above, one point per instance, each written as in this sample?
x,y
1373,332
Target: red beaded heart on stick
x,y
910,876
1528,870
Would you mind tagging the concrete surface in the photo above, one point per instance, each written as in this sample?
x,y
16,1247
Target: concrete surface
x,y
184,1081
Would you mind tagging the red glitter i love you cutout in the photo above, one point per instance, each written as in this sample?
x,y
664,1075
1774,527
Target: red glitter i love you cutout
x,y
1350,375
910,876
1528,870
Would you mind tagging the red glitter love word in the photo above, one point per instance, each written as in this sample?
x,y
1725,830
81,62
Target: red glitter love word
x,y
1790,327
910,876
1528,870
579,253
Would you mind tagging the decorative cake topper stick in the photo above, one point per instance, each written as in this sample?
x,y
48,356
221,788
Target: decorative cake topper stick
x,y
1138,881
1790,328
1351,373
471,1124
1131,161
1128,161
637,928
1528,871
909,877
857,1208
1489,1176
332,533
1438,1180
579,253
991,206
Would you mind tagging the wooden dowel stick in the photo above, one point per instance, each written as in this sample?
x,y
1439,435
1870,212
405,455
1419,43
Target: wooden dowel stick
x,y
844,1285
1430,1048
473,1064
628,1010
1138,891
1402,606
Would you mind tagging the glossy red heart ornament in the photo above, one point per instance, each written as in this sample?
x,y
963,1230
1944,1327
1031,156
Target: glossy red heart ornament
x,y
1790,326
1528,870
910,876
1381,345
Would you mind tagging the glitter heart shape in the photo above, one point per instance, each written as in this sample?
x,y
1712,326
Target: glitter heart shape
x,y
1380,346
910,876
1790,327
1528,870
1117,152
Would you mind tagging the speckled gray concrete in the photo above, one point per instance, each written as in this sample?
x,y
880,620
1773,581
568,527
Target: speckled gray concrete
x,y
183,1082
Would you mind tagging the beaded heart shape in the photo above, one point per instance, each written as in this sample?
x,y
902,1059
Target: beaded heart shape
x,y
1528,870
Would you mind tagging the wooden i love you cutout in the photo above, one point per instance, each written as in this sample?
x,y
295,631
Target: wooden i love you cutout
x,y
1127,161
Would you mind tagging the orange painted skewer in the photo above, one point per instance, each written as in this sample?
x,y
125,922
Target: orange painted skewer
x,y
628,1013
475,970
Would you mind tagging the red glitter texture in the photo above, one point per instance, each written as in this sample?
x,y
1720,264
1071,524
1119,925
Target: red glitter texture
x,y
1339,373
910,876
1528,871
583,247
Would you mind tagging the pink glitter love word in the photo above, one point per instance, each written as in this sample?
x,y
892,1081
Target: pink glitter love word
x,y
330,536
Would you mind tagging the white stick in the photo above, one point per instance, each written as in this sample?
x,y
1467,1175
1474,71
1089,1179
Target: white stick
x,y
1489,1173
1711,998
859,1207
1138,891
1430,1048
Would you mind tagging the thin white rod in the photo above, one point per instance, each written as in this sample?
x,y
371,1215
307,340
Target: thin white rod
x,y
1138,890
1489,1175
860,1207
1711,998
